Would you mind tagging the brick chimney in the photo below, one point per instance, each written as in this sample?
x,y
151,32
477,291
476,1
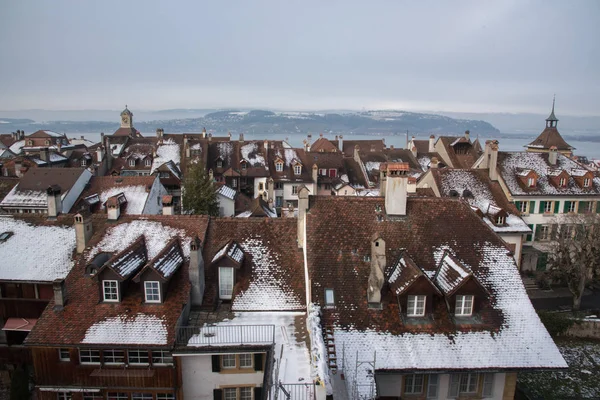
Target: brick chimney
x,y
431,144
196,271
271,188
302,208
167,205
54,201
341,143
396,187
45,154
241,138
493,160
553,155
113,208
378,264
83,230
60,294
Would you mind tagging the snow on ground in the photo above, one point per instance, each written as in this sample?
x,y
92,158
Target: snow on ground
x,y
167,151
157,235
250,154
294,361
136,197
522,342
35,253
127,329
266,291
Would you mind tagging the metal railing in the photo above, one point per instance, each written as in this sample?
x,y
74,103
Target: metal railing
x,y
225,335
295,391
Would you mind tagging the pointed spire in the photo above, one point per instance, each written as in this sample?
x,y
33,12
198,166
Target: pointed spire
x,y
552,121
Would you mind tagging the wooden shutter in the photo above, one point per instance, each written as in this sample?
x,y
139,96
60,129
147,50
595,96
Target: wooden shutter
x,y
488,385
257,393
258,362
567,205
217,393
518,205
556,205
532,207
216,364
542,207
454,386
583,207
530,235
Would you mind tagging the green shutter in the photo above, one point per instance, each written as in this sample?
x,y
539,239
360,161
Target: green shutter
x,y
532,207
518,205
541,262
598,206
530,235
566,207
556,205
542,207
583,206
538,228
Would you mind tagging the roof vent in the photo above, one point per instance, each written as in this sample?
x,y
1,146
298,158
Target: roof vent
x,y
454,193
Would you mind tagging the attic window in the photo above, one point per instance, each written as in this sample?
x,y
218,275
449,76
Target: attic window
x,y
329,298
219,163
500,220
416,306
297,169
464,305
152,291
531,182
454,193
83,162
110,290
147,162
563,182
132,162
279,166
243,165
586,182
5,235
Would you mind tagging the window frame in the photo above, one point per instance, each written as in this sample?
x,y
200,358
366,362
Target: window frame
x,y
572,207
412,310
544,232
500,220
83,162
329,304
586,182
157,288
117,396
463,308
132,162
531,182
279,167
562,182
295,190
226,292
104,287
165,396
64,395
106,355
61,358
92,396
411,384
148,162
247,356
471,383
226,360
138,357
548,207
162,357
297,169
90,356
142,396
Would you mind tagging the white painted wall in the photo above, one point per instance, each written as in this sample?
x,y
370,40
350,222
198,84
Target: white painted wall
x,y
153,204
199,380
71,197
346,190
287,190
226,206
517,240
257,181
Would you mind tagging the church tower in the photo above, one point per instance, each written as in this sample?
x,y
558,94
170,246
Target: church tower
x,y
552,121
126,118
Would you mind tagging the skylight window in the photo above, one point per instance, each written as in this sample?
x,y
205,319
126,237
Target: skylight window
x,y
4,236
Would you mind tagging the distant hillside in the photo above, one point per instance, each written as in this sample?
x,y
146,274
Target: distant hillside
x,y
289,123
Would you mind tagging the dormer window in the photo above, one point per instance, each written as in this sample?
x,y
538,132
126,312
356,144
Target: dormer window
x,y
147,162
279,166
152,291
500,220
329,298
83,162
48,143
563,182
531,182
132,162
297,169
243,165
586,182
416,306
219,163
464,305
110,290
322,172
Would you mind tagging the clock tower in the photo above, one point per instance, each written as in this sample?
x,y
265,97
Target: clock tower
x,y
126,118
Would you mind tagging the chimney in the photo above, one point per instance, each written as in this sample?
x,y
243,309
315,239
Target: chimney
x,y
83,230
186,146
341,143
100,153
378,264
321,134
271,204
241,138
305,144
412,185
493,160
434,162
432,144
302,208
22,136
391,147
210,175
396,187
59,145
203,133
315,173
266,144
468,135
113,208
356,153
196,271
413,150
18,167
60,295
167,205
308,139
54,201
209,137
553,155
229,135
45,154
271,188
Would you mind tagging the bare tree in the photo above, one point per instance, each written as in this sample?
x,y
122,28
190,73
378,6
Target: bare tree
x,y
575,255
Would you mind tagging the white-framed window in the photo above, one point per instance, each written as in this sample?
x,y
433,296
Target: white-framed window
x,y
544,232
572,206
563,182
110,290
83,162
117,396
245,393
234,182
548,206
295,189
89,356
165,396
488,385
278,185
416,305
567,231
161,357
138,357
586,182
142,396
464,305
114,357
243,165
93,396
219,163
225,282
323,171
278,166
462,384
329,298
297,169
228,361
63,395
241,393
500,220
230,393
413,384
147,162
432,386
261,186
246,360
152,291
531,182
64,355
132,162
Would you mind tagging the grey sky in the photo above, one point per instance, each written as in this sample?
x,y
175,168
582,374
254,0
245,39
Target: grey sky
x,y
502,56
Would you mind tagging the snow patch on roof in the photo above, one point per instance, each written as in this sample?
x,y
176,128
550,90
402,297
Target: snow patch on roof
x,y
17,146
167,151
127,329
25,198
225,151
136,197
35,253
227,192
290,156
250,154
371,165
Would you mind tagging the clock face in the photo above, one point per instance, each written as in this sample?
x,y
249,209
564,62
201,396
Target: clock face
x,y
124,119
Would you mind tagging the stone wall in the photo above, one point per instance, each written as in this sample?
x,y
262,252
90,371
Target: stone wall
x,y
589,328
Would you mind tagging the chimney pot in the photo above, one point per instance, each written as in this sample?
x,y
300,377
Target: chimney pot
x,y
196,272
60,296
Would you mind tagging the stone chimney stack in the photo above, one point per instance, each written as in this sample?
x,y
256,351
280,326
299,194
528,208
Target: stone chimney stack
x,y
266,145
305,145
315,173
203,133
100,153
54,201
241,138
83,230
553,155
378,264
308,139
186,146
396,187
302,208
434,162
45,154
196,272
431,144
210,137
493,160
468,135
341,143
60,294
167,205
113,208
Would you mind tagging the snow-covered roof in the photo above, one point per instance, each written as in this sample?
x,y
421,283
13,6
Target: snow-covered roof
x,y
128,329
450,274
35,252
250,154
17,146
169,150
25,198
171,259
130,260
226,191
136,197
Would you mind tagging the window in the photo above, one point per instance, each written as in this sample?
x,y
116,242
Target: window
x,y
586,182
83,162
114,356
165,396
246,360
416,306
278,201
297,169
548,207
219,164
88,356
243,165
63,355
567,231
147,162
278,166
246,393
329,298
563,182
132,162
234,182
161,357
571,207
295,189
93,396
413,384
278,185
152,290
322,172
225,282
63,395
531,182
544,232
141,396
117,396
139,357
261,186
464,305
488,385
468,383
230,394
242,393
432,387
111,290
228,361
500,219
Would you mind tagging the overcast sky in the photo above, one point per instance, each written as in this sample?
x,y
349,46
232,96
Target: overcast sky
x,y
479,56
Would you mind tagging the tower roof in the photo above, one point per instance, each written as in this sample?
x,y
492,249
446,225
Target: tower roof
x,y
552,117
126,112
